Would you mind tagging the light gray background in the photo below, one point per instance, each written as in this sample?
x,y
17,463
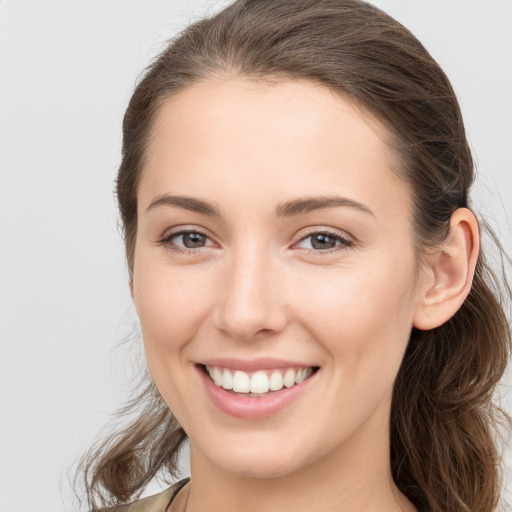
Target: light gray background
x,y
66,73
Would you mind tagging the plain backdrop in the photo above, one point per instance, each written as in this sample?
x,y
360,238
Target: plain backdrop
x,y
67,69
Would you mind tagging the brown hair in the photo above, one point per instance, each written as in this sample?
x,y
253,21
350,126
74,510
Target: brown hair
x,y
443,447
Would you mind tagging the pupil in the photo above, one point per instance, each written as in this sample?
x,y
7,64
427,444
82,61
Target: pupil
x,y
192,240
322,241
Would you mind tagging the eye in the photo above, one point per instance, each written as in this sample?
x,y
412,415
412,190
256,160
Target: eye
x,y
186,241
324,241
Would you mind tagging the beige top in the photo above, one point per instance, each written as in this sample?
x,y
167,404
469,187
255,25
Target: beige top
x,y
156,503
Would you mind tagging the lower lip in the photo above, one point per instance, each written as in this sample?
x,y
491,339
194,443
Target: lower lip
x,y
240,406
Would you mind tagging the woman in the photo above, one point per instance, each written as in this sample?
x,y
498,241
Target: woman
x,y
315,307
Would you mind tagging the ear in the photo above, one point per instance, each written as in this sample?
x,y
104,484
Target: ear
x,y
448,272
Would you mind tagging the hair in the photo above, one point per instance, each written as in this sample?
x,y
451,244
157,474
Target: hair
x,y
444,453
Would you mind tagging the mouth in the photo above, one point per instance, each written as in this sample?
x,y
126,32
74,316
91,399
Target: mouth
x,y
258,383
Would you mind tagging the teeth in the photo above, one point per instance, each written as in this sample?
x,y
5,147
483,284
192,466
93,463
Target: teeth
x,y
217,376
241,382
227,380
289,378
259,382
276,381
302,374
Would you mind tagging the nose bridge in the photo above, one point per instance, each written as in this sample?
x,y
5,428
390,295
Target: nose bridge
x,y
251,296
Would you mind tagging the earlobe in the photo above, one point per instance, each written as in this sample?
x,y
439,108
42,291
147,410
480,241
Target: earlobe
x,y
450,270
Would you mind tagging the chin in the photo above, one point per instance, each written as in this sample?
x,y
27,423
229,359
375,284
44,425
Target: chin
x,y
261,469
259,459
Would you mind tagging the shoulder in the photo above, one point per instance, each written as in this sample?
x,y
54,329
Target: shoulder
x,y
156,503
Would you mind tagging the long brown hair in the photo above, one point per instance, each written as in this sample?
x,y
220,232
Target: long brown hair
x,y
443,446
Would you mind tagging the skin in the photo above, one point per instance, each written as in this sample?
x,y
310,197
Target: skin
x,y
259,288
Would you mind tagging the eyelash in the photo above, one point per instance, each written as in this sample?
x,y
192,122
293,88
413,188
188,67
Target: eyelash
x,y
346,243
166,241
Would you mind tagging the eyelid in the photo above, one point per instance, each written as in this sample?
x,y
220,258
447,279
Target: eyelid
x,y
166,239
346,240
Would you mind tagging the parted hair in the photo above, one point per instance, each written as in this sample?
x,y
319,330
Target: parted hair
x,y
444,454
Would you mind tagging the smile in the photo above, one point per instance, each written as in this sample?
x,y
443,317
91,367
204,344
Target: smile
x,y
260,382
255,389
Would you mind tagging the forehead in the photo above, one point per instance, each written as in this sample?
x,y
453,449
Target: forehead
x,y
292,137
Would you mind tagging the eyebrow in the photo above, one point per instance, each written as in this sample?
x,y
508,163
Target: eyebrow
x,y
288,209
309,204
188,203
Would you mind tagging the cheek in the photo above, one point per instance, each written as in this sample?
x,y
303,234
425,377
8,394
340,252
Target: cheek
x,y
350,312
363,321
171,305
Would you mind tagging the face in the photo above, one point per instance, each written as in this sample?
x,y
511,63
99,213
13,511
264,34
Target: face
x,y
274,258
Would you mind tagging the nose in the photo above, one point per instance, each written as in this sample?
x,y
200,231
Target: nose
x,y
251,300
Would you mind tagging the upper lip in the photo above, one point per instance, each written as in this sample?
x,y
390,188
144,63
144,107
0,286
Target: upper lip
x,y
252,365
